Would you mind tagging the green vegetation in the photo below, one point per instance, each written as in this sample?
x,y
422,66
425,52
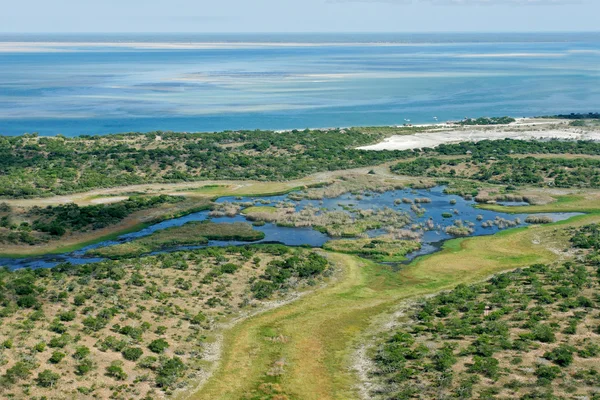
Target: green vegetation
x,y
552,171
335,223
381,249
39,166
38,225
576,116
104,329
191,234
524,334
487,121
259,209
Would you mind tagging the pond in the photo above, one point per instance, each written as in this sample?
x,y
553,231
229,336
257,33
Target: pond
x,y
441,211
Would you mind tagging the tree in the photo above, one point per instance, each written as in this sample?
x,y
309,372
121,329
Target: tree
x,y
20,370
47,378
81,352
169,371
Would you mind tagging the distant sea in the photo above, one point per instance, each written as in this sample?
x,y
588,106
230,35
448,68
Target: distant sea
x,y
98,84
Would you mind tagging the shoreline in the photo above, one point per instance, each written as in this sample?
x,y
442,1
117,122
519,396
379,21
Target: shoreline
x,y
522,129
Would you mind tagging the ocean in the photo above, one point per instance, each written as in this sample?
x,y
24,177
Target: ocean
x,y
98,84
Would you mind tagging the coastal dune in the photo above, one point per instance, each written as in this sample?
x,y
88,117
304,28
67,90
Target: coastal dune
x,y
523,129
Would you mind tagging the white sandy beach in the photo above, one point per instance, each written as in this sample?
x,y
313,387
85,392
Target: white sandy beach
x,y
524,129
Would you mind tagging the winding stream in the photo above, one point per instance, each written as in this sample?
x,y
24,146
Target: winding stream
x,y
431,241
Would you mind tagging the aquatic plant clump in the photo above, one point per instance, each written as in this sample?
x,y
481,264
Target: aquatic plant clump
x,y
335,223
539,219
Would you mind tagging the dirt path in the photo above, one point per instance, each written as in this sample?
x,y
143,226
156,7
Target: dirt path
x,y
210,188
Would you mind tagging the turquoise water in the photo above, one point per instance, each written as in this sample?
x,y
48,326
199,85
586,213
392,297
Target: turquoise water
x,y
94,84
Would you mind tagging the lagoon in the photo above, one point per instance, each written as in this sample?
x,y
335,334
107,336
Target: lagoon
x,y
440,204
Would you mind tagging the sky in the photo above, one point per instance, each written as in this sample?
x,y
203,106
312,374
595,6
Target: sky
x,y
221,16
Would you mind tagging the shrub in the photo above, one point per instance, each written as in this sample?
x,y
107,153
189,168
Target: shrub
x,y
84,366
132,353
443,359
263,289
60,341
47,378
79,300
229,268
487,366
198,318
115,370
21,370
546,373
67,316
56,357
28,301
160,330
158,346
148,362
81,352
40,347
169,371
561,355
543,333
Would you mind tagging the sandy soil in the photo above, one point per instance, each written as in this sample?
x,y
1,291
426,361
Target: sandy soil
x,y
526,129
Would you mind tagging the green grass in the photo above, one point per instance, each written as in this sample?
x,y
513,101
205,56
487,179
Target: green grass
x,y
566,203
321,329
379,249
259,209
79,245
190,234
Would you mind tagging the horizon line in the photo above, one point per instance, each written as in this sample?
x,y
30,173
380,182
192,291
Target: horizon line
x,y
293,33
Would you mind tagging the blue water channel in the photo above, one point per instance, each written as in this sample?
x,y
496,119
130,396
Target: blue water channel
x,y
431,240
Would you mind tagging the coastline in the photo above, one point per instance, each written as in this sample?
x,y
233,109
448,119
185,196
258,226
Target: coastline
x,y
522,129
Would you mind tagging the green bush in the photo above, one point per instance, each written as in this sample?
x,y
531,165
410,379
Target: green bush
x,y
47,378
158,345
132,353
84,366
169,371
115,370
561,355
81,352
56,357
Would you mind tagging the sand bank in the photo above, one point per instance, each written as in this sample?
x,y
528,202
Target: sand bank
x,y
523,129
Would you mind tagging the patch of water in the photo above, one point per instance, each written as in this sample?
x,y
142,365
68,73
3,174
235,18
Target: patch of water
x,y
441,211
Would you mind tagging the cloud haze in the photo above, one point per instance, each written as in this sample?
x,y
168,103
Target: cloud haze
x,y
298,16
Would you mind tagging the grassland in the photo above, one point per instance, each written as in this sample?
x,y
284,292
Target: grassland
x,y
137,328
133,329
191,234
381,249
259,209
313,357
579,202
